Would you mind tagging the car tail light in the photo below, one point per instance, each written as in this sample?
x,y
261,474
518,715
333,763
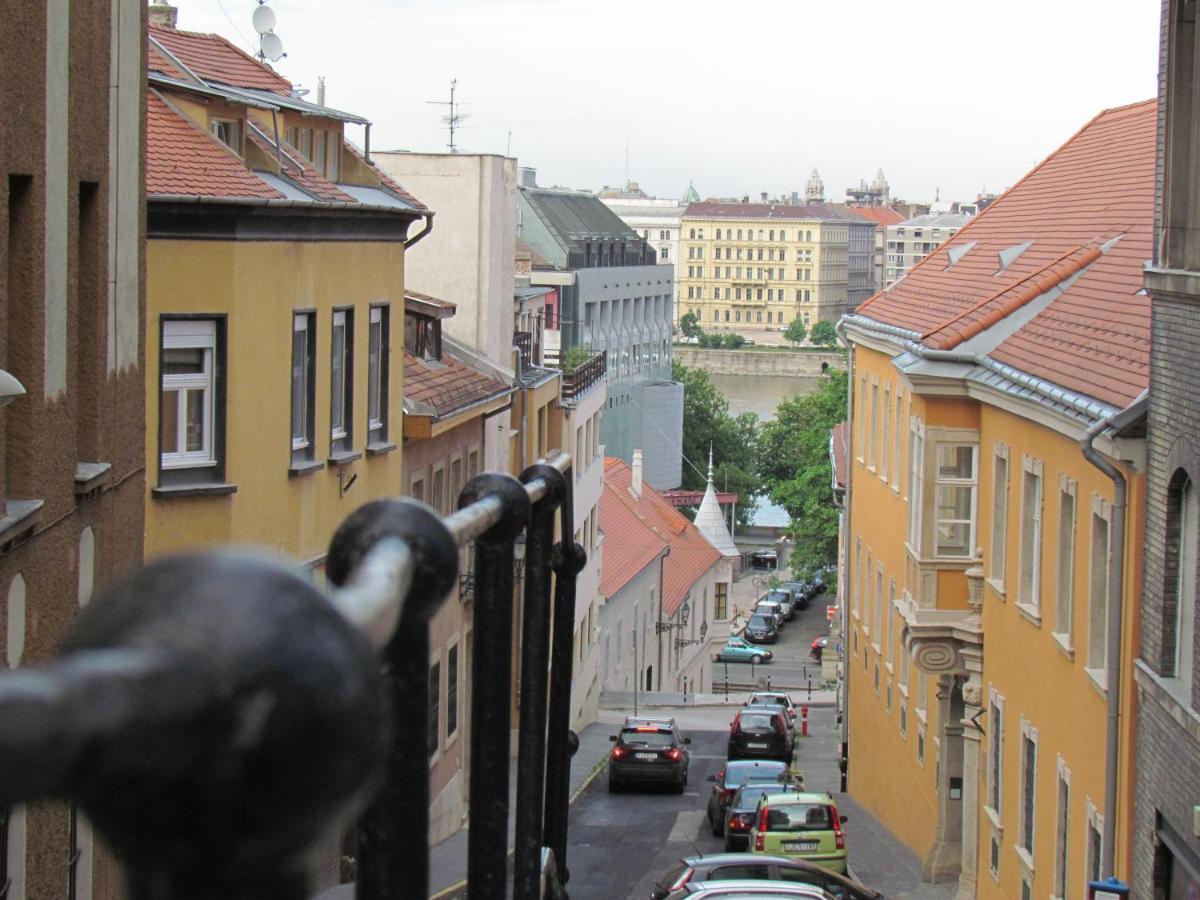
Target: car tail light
x,y
726,796
684,877
618,752
761,837
739,822
737,724
674,754
839,836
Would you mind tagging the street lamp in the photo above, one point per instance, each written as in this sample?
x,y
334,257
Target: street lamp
x,y
684,642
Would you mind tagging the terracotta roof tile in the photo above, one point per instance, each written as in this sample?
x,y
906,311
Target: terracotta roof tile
x,y
1094,337
881,215
299,169
448,385
215,59
183,160
156,62
709,209
691,555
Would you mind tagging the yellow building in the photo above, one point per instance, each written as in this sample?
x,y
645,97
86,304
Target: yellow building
x,y
749,267
275,287
992,564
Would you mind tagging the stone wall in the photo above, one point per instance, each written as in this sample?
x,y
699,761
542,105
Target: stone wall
x,y
800,363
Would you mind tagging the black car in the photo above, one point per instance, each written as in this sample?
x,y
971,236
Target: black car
x,y
801,591
725,866
761,629
648,751
739,815
761,733
732,776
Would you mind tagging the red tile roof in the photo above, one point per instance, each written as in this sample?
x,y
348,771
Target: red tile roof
x,y
446,386
297,168
215,59
882,215
690,557
1095,337
156,62
386,181
183,160
709,209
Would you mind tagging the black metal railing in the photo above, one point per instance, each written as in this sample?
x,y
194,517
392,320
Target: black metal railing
x,y
581,379
523,342
217,714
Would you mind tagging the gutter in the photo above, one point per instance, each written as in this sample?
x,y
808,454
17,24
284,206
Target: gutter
x,y
844,592
409,241
412,212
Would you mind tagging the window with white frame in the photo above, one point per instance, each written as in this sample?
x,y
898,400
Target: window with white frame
x,y
868,593
878,627
304,340
435,695
890,612
1097,655
916,484
897,472
999,553
856,591
1094,842
860,437
873,425
228,132
886,441
451,691
954,496
187,411
1029,588
995,753
1064,600
341,373
1026,825
1062,831
377,375
1181,588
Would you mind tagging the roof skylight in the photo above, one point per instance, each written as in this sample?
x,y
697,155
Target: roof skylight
x,y
1009,255
958,251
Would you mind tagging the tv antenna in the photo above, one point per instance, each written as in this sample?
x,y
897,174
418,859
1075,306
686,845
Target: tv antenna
x,y
270,47
453,118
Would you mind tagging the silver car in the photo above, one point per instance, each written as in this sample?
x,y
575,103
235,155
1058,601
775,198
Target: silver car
x,y
749,890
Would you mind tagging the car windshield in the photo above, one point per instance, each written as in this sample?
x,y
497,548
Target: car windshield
x,y
765,702
738,773
656,740
760,621
757,722
799,817
748,795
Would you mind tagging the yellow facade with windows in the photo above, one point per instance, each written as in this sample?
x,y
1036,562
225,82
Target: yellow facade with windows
x,y
744,270
955,486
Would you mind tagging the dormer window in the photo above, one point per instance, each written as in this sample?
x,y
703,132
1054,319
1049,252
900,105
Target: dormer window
x,y
228,132
423,337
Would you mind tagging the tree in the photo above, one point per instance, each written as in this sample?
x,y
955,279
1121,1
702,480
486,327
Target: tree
x,y
734,441
733,341
689,326
824,335
794,464
795,332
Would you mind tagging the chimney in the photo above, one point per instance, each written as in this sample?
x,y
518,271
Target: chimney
x,y
163,15
635,485
764,196
320,90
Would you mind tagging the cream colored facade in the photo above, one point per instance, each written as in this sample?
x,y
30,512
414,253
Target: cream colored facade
x,y
757,269
910,242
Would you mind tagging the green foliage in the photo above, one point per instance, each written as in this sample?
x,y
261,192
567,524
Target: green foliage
x,y
575,357
734,440
733,341
795,332
824,334
689,325
794,464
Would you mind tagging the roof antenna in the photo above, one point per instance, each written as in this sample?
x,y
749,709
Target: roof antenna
x,y
270,47
453,118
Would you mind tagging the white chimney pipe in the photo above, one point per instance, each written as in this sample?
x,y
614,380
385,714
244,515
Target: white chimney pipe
x,y
635,485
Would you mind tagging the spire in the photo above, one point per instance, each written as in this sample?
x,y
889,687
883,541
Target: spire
x,y
709,519
690,195
814,191
710,471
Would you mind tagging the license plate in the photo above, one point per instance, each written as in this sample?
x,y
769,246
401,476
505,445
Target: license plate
x,y
645,756
800,846
757,746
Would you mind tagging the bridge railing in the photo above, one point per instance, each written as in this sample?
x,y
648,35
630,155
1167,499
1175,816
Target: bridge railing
x,y
216,715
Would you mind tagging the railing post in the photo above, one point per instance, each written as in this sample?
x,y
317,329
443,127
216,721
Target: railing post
x,y
397,821
491,686
535,655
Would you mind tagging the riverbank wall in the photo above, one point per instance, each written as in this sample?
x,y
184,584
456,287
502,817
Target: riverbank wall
x,y
797,364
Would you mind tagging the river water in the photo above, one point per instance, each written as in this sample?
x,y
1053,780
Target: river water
x,y
761,394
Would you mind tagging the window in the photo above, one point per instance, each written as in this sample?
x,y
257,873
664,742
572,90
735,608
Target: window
x,y
1064,600
1062,832
1181,585
228,132
306,142
916,482
921,745
187,411
319,147
955,499
855,593
1094,845
1029,589
1097,658
451,691
435,681
995,753
377,375
999,516
437,489
890,612
417,487
873,424
887,441
721,601
304,375
897,473
341,388
1025,834
878,622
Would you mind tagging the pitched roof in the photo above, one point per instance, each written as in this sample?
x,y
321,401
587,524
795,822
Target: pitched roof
x,y
183,160
215,59
441,388
691,555
296,167
710,209
1093,337
881,215
711,521
574,216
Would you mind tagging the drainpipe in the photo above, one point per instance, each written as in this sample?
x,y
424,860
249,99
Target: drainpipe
x,y
844,762
1116,584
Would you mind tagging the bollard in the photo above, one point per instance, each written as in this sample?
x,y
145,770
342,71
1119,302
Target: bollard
x,y
810,688
804,720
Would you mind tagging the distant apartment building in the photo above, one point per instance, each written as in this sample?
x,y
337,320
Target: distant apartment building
x,y
882,216
757,266
911,241
655,219
613,298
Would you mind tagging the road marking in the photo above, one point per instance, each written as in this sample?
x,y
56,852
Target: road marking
x,y
687,824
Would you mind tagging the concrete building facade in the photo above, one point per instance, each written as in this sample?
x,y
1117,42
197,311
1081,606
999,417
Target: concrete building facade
x,y
912,240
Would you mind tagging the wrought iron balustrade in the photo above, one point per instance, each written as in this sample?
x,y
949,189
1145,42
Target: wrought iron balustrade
x,y
217,714
523,342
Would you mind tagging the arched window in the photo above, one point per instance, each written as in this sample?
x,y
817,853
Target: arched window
x,y
1179,608
718,234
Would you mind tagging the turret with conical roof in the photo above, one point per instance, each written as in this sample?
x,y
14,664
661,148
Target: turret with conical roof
x,y
814,191
711,521
690,195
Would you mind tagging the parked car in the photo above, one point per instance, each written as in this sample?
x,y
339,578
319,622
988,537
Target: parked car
x,y
732,776
648,751
737,649
801,592
762,733
761,629
739,815
772,608
774,698
737,889
712,867
800,826
785,599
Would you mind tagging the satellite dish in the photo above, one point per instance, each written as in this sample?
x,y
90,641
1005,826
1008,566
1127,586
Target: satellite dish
x,y
263,20
272,46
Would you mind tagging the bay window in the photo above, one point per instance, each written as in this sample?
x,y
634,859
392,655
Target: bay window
x,y
954,525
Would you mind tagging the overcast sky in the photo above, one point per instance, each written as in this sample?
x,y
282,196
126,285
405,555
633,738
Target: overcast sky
x,y
961,95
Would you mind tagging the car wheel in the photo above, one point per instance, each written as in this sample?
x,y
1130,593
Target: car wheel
x,y
614,786
756,659
718,830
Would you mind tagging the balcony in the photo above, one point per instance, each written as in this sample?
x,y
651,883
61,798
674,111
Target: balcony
x,y
578,381
523,343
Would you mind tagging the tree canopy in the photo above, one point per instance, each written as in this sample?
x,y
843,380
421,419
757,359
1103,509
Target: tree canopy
x,y
824,334
689,325
795,332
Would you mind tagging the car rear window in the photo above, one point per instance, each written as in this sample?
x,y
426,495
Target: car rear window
x,y
657,740
739,872
757,722
748,795
742,772
760,621
799,817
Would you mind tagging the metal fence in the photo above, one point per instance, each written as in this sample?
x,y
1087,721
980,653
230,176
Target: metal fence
x,y
217,714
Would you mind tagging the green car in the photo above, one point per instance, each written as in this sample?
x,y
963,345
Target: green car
x,y
800,826
738,650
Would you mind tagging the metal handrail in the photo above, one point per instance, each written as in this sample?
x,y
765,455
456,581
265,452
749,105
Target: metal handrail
x,y
217,714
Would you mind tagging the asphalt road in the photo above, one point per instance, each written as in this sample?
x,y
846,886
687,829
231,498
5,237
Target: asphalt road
x,y
793,664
